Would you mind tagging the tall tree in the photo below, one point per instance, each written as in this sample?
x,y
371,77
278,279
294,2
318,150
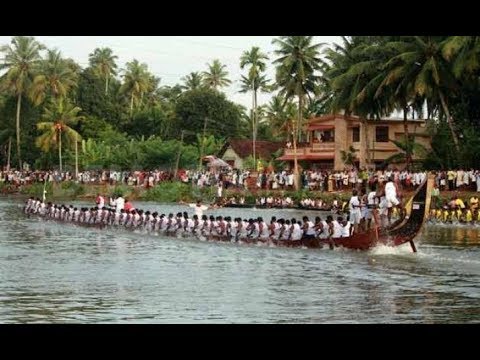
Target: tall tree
x,y
216,76
21,59
297,62
56,77
420,62
279,115
103,61
192,81
136,81
354,75
254,82
58,118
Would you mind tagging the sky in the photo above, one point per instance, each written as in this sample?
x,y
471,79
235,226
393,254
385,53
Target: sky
x,y
172,57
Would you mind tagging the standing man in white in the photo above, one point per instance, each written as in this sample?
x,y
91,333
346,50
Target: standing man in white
x,y
355,213
391,197
199,208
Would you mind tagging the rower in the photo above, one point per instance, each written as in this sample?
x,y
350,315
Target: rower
x,y
308,228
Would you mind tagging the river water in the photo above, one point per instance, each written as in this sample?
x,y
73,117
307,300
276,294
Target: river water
x,y
60,273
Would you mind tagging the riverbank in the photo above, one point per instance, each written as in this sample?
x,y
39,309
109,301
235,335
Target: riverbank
x,y
176,191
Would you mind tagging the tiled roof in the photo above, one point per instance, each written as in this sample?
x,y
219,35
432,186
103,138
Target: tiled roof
x,y
244,148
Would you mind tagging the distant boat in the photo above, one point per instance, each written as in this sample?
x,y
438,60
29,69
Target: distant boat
x,y
264,206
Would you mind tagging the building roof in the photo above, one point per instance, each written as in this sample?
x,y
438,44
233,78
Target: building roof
x,y
244,148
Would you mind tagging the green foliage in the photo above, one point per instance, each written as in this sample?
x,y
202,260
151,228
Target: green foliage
x,y
30,114
348,157
150,121
72,189
95,103
195,107
442,154
169,192
36,189
92,126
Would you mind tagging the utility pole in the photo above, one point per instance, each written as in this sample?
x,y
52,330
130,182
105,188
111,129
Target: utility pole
x,y
76,157
254,130
178,155
9,151
203,143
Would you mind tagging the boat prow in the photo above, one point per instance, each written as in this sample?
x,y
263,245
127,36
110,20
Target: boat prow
x,y
401,232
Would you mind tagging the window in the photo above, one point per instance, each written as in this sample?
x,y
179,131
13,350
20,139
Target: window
x,y
381,134
356,134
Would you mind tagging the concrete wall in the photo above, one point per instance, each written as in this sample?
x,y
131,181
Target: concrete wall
x,y
341,141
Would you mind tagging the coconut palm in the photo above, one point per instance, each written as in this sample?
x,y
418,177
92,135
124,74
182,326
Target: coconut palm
x,y
297,62
260,82
192,81
103,62
56,77
279,115
464,54
20,60
354,74
254,82
136,81
57,119
420,62
348,157
216,76
408,147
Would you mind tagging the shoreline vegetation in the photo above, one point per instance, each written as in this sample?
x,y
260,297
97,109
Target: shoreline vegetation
x,y
177,192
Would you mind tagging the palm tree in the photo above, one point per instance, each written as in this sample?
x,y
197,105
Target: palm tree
x,y
348,157
56,77
279,114
103,62
216,76
20,59
7,132
354,75
464,54
137,81
297,62
420,62
58,118
192,81
254,82
408,147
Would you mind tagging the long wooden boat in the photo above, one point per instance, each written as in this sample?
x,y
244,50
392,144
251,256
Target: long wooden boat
x,y
400,232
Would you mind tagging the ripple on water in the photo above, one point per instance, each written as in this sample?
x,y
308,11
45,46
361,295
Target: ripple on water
x,y
61,273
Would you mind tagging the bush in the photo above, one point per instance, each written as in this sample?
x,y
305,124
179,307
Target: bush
x,y
169,192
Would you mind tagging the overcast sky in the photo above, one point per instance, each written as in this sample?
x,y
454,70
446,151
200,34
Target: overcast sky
x,y
172,57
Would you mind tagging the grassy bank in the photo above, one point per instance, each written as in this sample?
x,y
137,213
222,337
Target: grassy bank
x,y
168,192
164,192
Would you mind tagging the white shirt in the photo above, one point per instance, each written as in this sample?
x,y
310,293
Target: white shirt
x,y
199,209
346,229
119,204
390,190
371,198
337,229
